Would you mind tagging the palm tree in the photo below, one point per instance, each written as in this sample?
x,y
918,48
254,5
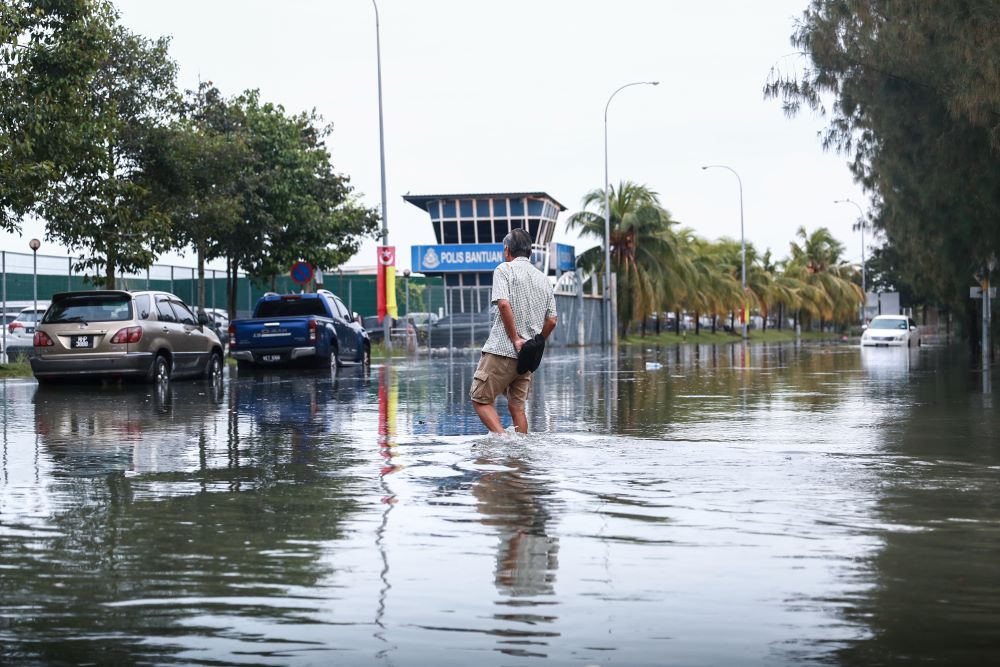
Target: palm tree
x,y
712,288
643,246
828,289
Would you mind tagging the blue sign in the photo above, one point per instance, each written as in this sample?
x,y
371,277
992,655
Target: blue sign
x,y
456,257
563,257
301,272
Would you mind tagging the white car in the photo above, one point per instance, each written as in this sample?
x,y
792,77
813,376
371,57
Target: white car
x,y
891,331
22,328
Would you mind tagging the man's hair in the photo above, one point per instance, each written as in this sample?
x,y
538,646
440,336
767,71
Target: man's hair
x,y
518,242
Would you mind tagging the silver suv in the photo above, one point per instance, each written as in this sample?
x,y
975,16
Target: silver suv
x,y
148,335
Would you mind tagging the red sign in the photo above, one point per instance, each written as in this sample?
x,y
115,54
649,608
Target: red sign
x,y
301,273
385,282
387,255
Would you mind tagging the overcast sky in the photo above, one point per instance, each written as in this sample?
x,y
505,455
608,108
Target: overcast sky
x,y
509,96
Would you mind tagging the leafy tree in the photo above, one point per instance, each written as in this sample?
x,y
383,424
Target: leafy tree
x,y
296,206
87,177
247,182
202,162
49,52
915,93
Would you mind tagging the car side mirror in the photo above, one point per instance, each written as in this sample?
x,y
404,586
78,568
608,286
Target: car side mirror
x,y
864,327
913,328
202,318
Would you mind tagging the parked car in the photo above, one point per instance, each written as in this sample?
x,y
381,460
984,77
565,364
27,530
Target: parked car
x,y
22,327
891,331
375,331
403,330
146,335
422,320
306,328
219,322
461,329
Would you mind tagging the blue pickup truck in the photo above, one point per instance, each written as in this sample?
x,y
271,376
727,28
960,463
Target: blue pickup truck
x,y
314,329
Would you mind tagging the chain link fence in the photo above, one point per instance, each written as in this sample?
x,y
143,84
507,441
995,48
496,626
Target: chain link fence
x,y
433,316
450,318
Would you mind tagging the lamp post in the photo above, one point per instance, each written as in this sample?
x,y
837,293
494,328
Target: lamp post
x,y
743,247
861,222
607,214
34,244
387,320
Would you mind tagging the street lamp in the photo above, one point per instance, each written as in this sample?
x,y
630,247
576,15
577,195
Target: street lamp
x,y
387,320
743,247
861,222
34,244
607,213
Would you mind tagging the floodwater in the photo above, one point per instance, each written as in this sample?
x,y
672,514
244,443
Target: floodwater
x,y
761,505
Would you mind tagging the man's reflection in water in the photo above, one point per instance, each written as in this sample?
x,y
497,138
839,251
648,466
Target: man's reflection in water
x,y
518,505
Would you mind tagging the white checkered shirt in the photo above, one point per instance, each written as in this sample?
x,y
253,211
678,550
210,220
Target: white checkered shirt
x,y
531,298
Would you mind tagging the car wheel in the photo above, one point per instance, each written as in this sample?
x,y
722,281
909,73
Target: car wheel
x,y
331,360
159,372
213,369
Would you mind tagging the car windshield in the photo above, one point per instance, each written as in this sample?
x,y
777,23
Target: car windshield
x,y
90,308
290,308
30,315
888,324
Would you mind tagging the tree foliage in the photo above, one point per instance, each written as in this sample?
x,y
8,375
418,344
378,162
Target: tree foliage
x,y
912,92
254,185
642,245
81,98
97,141
661,266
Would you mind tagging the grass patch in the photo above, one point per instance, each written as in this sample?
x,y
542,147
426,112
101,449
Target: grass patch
x,y
706,337
17,369
379,350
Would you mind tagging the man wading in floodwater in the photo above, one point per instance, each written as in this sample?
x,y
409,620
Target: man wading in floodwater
x,y
527,307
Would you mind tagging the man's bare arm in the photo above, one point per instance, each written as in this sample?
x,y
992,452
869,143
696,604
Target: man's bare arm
x,y
550,324
507,317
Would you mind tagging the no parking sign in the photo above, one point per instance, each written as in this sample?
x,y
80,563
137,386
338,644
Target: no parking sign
x,y
301,273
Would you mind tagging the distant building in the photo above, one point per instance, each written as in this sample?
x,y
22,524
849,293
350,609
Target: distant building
x,y
470,229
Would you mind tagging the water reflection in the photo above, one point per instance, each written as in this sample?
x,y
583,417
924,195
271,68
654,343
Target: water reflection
x,y
934,576
818,503
166,521
515,502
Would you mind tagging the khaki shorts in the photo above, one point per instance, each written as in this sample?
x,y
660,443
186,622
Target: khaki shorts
x,y
497,375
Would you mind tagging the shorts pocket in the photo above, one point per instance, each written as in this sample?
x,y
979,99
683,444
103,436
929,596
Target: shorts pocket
x,y
480,391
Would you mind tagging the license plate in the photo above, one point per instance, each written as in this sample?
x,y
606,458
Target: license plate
x,y
81,342
271,357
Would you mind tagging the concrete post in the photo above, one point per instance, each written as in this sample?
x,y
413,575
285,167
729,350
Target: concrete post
x,y
581,325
